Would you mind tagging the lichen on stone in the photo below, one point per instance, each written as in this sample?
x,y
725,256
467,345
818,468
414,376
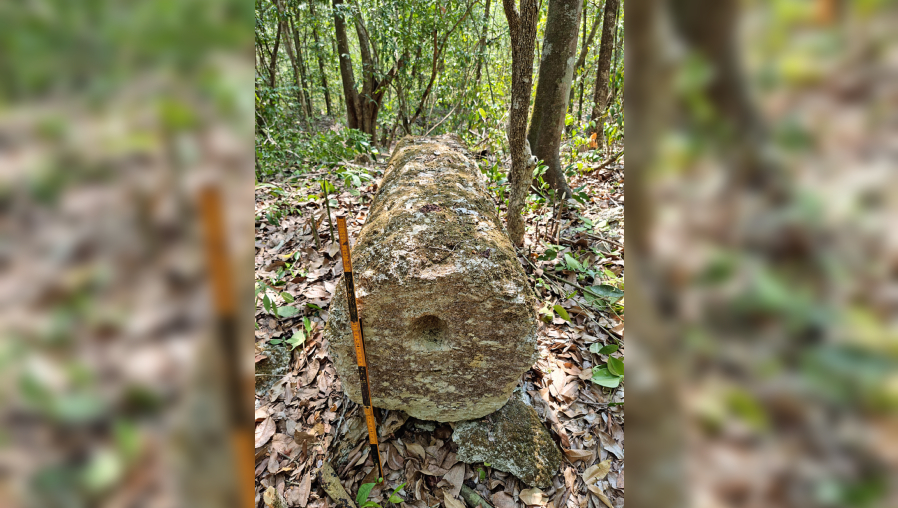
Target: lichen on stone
x,y
433,250
512,439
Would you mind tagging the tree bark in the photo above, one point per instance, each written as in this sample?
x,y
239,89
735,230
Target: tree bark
x,y
609,30
522,27
482,42
438,48
350,96
306,89
318,48
272,80
584,51
553,88
290,52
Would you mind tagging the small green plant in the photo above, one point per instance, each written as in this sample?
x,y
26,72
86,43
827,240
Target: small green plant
x,y
612,373
361,498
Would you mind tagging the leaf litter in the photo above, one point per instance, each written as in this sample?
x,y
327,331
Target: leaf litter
x,y
311,441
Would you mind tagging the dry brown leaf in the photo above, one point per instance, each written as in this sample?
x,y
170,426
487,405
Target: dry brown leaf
x,y
305,488
533,497
570,391
285,445
502,500
596,472
451,502
416,450
270,496
261,414
264,431
455,477
599,494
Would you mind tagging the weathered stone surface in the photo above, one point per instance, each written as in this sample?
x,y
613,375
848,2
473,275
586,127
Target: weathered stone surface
x,y
448,317
513,440
272,368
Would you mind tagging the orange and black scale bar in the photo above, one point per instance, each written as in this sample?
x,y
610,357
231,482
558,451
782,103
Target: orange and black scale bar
x,y
359,342
240,409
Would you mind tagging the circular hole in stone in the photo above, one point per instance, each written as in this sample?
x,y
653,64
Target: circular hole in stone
x,y
429,333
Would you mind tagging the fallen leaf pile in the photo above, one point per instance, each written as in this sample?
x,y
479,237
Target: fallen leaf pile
x,y
311,440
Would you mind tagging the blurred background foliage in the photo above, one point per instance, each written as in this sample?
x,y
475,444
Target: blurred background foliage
x,y
112,115
761,230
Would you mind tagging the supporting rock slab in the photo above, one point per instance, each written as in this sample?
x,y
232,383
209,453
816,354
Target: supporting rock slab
x,y
512,439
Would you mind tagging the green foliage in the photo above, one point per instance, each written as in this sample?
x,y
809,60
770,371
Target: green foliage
x,y
361,497
612,373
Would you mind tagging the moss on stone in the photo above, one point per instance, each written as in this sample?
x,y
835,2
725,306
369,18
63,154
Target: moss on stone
x,y
433,250
512,439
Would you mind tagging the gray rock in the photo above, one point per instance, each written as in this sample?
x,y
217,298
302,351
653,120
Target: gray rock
x,y
271,369
448,317
512,439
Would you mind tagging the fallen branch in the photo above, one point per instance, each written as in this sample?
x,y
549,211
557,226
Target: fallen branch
x,y
330,482
441,121
473,498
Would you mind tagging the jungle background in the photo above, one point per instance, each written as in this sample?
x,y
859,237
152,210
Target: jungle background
x,y
337,85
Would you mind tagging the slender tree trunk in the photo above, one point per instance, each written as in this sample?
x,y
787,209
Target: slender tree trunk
x,y
553,88
290,52
350,96
274,59
318,49
482,42
306,89
584,51
709,28
522,27
609,30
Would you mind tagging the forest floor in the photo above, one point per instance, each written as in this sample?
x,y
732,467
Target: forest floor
x,y
304,419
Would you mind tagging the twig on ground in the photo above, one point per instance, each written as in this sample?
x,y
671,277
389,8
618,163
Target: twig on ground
x,y
473,498
604,240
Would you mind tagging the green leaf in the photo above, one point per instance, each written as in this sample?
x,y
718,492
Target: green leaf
x,y
394,498
266,303
572,263
482,113
308,324
606,291
364,490
298,339
562,313
287,311
275,341
369,504
603,377
615,366
287,297
604,350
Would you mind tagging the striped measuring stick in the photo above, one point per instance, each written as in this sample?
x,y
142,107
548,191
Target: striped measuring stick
x,y
359,342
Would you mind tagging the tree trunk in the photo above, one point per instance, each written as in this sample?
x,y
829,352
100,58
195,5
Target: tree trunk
x,y
318,48
609,30
290,52
272,81
350,96
584,51
553,88
709,28
306,89
522,27
482,42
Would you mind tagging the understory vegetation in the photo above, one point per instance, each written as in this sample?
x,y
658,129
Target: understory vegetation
x,y
337,86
